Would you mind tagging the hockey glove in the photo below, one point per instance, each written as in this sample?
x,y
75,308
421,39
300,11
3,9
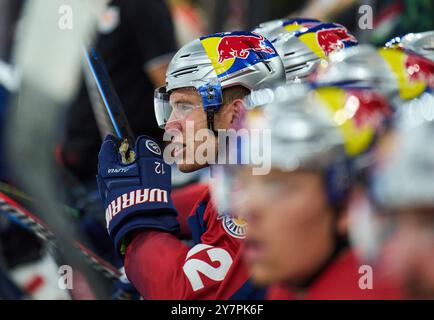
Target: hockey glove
x,y
135,195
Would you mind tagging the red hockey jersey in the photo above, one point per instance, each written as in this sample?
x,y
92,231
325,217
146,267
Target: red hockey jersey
x,y
340,281
161,266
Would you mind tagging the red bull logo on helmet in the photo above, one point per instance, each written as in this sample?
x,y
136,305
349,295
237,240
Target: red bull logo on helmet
x,y
357,113
325,38
232,51
414,73
241,46
420,69
334,39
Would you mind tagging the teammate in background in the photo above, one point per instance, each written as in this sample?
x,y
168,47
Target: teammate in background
x,y
397,195
206,83
402,197
394,195
297,238
399,75
303,43
421,43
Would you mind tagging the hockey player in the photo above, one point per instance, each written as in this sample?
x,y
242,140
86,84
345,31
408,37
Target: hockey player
x,y
297,214
403,71
396,199
206,83
402,193
399,75
301,44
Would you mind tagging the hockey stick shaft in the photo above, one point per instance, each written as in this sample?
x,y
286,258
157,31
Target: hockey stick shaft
x,y
109,96
40,229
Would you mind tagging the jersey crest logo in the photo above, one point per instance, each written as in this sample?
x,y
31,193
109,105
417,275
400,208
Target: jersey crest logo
x,y
235,227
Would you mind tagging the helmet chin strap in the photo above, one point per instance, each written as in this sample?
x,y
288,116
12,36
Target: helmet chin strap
x,y
210,121
212,99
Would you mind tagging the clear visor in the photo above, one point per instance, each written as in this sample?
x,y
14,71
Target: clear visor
x,y
162,106
167,111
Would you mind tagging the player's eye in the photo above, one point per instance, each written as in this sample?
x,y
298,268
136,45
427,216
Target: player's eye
x,y
279,187
184,108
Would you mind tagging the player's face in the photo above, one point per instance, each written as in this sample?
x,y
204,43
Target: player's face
x,y
186,120
290,226
188,124
410,252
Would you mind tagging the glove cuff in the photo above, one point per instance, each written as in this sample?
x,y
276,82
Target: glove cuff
x,y
145,220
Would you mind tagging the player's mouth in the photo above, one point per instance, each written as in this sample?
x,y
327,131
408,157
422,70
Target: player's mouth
x,y
178,146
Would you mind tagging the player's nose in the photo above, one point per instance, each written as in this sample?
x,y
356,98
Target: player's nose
x,y
174,123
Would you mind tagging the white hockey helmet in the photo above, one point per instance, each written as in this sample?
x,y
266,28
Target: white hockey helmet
x,y
218,61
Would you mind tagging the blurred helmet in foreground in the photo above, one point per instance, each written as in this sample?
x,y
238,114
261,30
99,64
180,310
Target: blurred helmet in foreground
x,y
406,180
402,176
328,129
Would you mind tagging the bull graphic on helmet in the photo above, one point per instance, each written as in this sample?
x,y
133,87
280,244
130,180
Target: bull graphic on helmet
x,y
334,39
239,46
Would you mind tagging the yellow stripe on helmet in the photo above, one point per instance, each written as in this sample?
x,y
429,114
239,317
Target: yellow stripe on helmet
x,y
356,139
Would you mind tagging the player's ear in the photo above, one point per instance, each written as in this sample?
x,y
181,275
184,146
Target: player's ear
x,y
230,114
238,110
223,117
343,223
